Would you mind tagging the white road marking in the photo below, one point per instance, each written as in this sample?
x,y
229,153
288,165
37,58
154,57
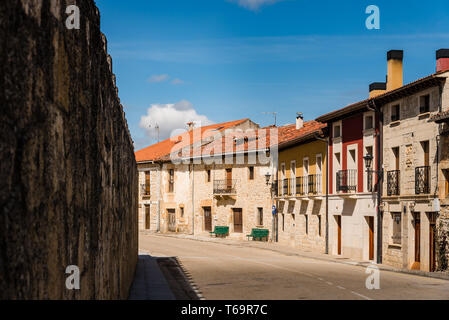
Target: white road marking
x,y
361,295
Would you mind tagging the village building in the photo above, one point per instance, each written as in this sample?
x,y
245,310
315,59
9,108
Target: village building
x,y
354,220
412,155
166,198
301,187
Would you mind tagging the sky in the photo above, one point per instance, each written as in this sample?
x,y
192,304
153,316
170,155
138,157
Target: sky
x,y
212,61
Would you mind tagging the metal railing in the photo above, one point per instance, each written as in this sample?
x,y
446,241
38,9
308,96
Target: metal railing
x,y
422,180
314,183
226,186
347,180
393,183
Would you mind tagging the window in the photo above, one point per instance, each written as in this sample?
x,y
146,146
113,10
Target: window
x,y
337,131
369,122
396,157
307,224
396,237
283,220
395,113
147,183
424,104
251,173
260,216
319,226
171,180
208,175
182,212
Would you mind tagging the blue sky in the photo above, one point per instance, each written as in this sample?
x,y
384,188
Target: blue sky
x,y
222,60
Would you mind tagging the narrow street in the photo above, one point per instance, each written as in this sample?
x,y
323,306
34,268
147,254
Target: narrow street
x,y
224,271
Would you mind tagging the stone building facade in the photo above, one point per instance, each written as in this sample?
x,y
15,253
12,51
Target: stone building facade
x,y
412,161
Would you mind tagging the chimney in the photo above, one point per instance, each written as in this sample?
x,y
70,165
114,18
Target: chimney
x,y
394,69
299,120
442,60
377,88
190,125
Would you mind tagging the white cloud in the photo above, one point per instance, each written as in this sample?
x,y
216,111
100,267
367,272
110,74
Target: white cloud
x,y
177,81
171,117
158,78
254,4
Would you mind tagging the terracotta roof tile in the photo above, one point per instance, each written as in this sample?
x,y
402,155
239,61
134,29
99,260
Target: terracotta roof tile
x,y
162,149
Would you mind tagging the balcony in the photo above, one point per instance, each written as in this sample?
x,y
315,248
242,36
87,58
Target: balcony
x,y
145,189
299,186
422,180
347,180
314,184
225,187
393,183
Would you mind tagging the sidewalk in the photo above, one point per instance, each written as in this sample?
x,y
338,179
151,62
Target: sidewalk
x,y
149,282
300,253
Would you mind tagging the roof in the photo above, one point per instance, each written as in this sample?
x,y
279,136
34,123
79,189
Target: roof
x,y
161,149
440,117
426,82
256,140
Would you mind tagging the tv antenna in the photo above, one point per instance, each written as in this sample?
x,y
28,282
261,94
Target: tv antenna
x,y
156,127
274,115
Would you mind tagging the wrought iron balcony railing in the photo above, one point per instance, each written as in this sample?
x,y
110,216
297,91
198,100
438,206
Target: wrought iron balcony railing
x,y
226,186
347,180
393,183
314,183
422,180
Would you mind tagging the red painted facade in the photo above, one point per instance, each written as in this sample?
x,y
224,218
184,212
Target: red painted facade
x,y
352,134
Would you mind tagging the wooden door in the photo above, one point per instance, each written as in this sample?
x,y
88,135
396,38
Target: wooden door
x,y
147,216
207,219
238,220
171,213
371,237
229,179
338,234
432,233
417,238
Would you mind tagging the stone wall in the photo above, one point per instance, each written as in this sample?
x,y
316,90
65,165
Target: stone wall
x,y
68,174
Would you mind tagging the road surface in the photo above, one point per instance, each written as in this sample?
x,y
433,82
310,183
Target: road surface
x,y
224,271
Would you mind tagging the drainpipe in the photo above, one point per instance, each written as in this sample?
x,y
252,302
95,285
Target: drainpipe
x,y
193,198
159,199
327,190
379,170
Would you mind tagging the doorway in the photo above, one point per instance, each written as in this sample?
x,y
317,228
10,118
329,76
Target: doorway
x,y
147,216
371,237
238,220
432,235
207,219
171,213
417,225
338,219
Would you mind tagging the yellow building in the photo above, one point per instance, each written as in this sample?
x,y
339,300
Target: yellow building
x,y
301,187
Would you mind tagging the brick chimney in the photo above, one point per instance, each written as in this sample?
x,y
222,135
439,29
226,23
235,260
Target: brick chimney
x,y
299,120
394,69
442,60
377,88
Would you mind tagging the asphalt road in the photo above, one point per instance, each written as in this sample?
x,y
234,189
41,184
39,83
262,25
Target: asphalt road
x,y
224,271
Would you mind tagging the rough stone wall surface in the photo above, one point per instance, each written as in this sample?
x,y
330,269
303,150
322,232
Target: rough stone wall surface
x,y
68,174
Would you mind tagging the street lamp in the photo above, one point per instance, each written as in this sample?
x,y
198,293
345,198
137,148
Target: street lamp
x,y
267,178
368,161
